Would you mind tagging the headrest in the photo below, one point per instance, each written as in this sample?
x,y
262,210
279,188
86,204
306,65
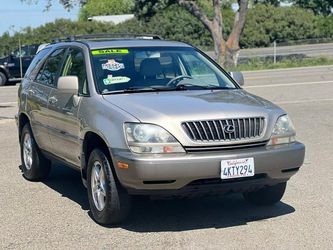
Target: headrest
x,y
150,67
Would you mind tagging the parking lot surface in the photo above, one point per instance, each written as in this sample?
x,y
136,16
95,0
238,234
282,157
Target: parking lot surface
x,y
55,213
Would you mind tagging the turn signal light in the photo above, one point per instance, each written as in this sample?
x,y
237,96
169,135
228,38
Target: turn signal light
x,y
122,165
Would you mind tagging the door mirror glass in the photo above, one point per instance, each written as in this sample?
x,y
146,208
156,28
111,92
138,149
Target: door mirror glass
x,y
238,77
68,84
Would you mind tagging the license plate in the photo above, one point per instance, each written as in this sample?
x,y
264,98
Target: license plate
x,y
237,168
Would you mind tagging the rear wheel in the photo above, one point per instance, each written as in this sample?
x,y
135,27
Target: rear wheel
x,y
3,79
35,166
109,201
267,195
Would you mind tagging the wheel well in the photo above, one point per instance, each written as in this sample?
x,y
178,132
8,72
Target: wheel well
x,y
22,121
90,142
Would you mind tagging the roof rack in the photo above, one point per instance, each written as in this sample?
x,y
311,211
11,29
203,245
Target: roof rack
x,y
101,37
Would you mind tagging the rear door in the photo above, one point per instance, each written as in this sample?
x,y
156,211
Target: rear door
x,y
44,80
63,116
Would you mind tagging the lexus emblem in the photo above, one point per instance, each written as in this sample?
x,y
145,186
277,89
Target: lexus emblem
x,y
229,129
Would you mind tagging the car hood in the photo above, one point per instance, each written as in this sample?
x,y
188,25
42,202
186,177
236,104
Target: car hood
x,y
191,105
170,109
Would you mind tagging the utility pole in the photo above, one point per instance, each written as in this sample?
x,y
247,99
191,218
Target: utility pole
x,y
274,45
21,70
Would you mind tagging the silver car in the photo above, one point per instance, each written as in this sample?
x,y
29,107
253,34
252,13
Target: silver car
x,y
139,116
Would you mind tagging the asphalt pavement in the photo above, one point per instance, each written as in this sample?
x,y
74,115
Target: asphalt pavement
x,y
54,214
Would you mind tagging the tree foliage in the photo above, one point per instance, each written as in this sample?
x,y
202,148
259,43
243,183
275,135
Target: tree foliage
x,y
319,7
209,14
68,4
106,7
323,7
46,33
149,8
265,23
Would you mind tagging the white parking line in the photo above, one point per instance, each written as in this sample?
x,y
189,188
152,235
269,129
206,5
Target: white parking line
x,y
287,69
10,87
7,103
304,101
287,84
4,121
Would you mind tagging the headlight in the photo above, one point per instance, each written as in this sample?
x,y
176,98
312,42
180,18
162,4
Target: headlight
x,y
283,132
149,138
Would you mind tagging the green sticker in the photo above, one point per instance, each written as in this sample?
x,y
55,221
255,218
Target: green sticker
x,y
115,79
109,51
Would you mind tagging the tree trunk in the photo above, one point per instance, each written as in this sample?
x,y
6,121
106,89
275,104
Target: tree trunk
x,y
232,44
226,53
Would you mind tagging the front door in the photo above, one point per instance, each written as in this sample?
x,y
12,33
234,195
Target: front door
x,y
63,108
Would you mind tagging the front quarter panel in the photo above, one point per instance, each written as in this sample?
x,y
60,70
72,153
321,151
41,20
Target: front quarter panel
x,y
98,116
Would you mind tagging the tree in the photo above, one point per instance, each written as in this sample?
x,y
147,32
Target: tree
x,y
322,7
319,7
226,50
105,7
266,23
68,4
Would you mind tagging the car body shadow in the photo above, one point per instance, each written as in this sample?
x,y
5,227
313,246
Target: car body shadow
x,y
68,183
172,214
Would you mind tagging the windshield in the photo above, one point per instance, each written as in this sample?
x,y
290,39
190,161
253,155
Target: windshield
x,y
151,69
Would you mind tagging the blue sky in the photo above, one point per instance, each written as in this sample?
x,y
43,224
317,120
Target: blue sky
x,y
16,15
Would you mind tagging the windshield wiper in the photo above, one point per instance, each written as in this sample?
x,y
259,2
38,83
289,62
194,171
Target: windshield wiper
x,y
130,90
189,86
163,88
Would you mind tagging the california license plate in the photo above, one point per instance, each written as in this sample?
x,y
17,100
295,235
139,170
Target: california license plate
x,y
237,168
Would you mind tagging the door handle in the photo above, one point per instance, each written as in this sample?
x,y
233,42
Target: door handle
x,y
31,92
53,100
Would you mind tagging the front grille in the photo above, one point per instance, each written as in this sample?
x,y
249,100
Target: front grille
x,y
216,130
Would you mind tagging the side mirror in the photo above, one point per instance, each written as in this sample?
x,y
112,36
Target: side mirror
x,y
238,77
68,85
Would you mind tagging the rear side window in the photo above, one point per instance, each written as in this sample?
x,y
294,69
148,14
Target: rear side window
x,y
32,70
49,73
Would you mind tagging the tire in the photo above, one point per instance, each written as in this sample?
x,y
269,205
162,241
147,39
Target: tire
x,y
3,79
109,202
268,195
35,166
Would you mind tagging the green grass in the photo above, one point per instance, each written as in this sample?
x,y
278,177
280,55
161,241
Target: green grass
x,y
257,64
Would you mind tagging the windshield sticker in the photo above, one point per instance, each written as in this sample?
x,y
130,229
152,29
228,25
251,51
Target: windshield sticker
x,y
115,79
109,51
112,65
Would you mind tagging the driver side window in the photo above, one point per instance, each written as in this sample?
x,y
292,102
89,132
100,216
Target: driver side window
x,y
48,74
75,66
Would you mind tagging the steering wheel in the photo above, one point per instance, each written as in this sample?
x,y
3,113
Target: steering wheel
x,y
178,79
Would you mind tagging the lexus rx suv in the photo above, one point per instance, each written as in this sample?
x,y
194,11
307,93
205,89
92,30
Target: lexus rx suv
x,y
139,116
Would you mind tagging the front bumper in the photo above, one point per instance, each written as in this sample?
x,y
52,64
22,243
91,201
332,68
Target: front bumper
x,y
171,174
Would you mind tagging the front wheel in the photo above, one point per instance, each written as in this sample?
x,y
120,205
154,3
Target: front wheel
x,y
109,201
268,195
3,79
35,166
